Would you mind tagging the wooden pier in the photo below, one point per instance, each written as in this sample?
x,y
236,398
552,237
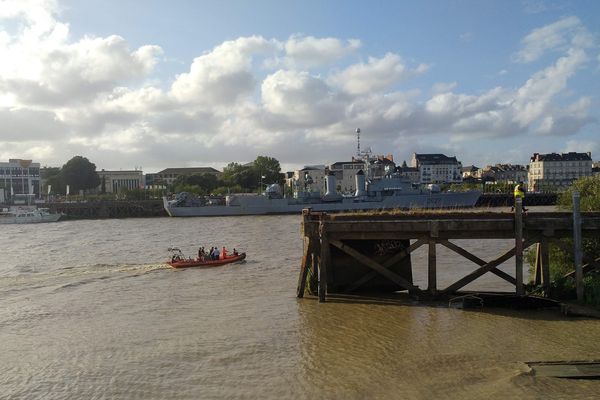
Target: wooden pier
x,y
370,252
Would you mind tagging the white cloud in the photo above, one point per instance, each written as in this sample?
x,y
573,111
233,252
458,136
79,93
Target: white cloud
x,y
308,52
534,97
583,146
442,87
566,32
46,69
300,98
223,76
379,74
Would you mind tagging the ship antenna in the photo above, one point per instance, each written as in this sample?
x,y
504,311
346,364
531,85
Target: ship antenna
x,y
358,142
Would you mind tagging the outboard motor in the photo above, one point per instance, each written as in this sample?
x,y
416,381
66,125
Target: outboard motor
x,y
360,184
331,194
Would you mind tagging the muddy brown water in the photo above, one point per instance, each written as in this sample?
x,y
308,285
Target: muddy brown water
x,y
89,310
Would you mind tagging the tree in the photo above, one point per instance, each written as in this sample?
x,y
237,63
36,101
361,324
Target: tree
x,y
235,175
268,167
205,183
53,177
80,174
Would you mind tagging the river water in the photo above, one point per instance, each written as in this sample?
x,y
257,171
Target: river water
x,y
89,311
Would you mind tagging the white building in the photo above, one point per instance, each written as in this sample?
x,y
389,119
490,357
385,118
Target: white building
x,y
308,179
19,178
555,171
115,181
345,175
437,168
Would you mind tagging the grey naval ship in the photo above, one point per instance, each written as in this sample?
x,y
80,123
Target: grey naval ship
x,y
385,193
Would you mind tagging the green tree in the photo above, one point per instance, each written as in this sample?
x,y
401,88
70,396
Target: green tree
x,y
52,176
80,174
269,168
205,183
237,175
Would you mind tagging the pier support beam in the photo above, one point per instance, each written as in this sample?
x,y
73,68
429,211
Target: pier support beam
x,y
577,247
519,246
373,265
431,269
323,263
307,258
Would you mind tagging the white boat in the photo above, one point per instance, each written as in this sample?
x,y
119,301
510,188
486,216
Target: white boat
x,y
28,216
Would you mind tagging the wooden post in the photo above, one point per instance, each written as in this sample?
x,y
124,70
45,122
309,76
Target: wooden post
x,y
545,254
431,264
519,245
577,243
431,259
304,268
323,262
538,264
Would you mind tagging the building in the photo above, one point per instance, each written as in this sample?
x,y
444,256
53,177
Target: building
x,y
308,179
116,181
437,168
596,168
381,166
410,173
168,176
504,173
19,179
345,175
471,171
557,171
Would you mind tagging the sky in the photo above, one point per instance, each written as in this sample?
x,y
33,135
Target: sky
x,y
154,84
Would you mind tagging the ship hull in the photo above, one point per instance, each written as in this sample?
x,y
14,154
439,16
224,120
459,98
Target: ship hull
x,y
282,206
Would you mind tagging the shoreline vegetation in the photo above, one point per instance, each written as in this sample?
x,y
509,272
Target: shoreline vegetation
x,y
562,261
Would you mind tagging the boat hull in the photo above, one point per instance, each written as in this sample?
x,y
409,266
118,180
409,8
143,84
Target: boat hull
x,y
29,218
282,206
206,264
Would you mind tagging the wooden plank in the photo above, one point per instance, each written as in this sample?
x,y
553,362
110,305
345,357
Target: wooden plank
x,y
472,257
545,264
577,243
306,256
373,265
519,290
431,268
324,263
538,264
387,264
484,269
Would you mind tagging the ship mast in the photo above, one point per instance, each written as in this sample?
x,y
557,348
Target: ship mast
x,y
365,156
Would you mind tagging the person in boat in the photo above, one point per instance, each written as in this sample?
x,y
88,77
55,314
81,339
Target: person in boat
x,y
211,253
216,253
201,254
235,252
224,252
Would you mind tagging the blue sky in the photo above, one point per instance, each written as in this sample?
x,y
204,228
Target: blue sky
x,y
194,83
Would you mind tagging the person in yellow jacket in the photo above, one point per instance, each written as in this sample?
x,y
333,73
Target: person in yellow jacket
x,y
519,193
